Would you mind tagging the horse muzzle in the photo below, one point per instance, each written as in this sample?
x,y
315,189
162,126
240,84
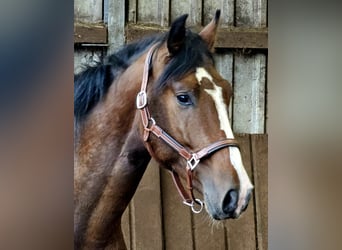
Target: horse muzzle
x,y
232,206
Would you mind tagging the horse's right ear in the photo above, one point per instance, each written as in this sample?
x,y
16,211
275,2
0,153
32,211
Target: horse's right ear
x,y
176,36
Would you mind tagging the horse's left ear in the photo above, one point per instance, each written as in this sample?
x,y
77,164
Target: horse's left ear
x,y
176,36
208,33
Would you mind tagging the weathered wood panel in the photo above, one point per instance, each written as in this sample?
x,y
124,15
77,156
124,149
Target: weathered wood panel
x,y
126,227
116,24
251,13
146,214
227,11
151,11
208,234
89,11
148,11
191,7
249,75
249,94
85,33
252,38
226,38
259,145
177,219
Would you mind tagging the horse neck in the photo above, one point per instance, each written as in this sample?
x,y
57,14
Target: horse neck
x,y
110,161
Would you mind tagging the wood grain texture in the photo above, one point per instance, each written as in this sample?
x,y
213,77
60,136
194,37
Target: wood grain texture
x,y
191,7
178,232
208,235
260,171
126,227
249,94
227,11
250,72
116,24
251,13
89,11
146,213
90,33
226,38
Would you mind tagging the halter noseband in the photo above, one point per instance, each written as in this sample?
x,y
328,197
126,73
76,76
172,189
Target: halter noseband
x,y
191,158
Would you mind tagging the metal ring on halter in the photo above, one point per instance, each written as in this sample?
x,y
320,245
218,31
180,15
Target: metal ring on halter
x,y
199,202
152,121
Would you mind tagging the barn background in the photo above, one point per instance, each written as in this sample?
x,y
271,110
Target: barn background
x,y
156,218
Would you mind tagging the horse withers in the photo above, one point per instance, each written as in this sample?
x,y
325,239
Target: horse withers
x,y
160,97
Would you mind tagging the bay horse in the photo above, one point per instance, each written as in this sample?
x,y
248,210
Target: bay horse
x,y
160,97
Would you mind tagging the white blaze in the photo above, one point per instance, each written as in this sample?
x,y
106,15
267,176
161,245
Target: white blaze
x,y
234,153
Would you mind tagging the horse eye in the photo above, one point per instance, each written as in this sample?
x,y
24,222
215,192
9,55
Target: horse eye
x,y
184,99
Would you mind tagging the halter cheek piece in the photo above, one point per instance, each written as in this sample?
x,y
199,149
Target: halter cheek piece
x,y
191,158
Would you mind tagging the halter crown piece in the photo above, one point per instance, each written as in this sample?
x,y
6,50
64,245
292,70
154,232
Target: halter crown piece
x,y
192,159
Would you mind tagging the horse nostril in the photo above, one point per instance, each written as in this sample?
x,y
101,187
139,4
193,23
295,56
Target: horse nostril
x,y
230,201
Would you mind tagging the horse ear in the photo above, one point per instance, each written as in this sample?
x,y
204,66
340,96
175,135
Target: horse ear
x,y
208,33
176,36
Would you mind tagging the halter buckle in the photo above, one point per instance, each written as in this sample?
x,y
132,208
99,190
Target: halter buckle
x,y
193,162
141,100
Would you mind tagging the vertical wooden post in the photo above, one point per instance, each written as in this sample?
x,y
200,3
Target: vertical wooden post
x,y
250,73
116,25
260,173
146,212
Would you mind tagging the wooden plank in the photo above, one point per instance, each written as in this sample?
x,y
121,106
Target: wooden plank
x,y
147,230
137,32
242,38
125,225
176,217
226,38
251,13
89,11
249,93
227,11
191,7
207,233
250,72
260,170
241,232
148,11
153,12
132,11
165,13
90,33
116,25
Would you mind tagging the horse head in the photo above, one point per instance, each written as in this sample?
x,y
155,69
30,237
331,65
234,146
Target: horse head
x,y
189,100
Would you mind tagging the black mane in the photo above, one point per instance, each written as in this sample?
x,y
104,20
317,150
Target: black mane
x,y
91,85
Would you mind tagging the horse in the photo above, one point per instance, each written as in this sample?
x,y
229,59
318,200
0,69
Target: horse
x,y
159,97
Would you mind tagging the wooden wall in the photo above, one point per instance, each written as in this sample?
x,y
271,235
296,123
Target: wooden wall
x,y
156,218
